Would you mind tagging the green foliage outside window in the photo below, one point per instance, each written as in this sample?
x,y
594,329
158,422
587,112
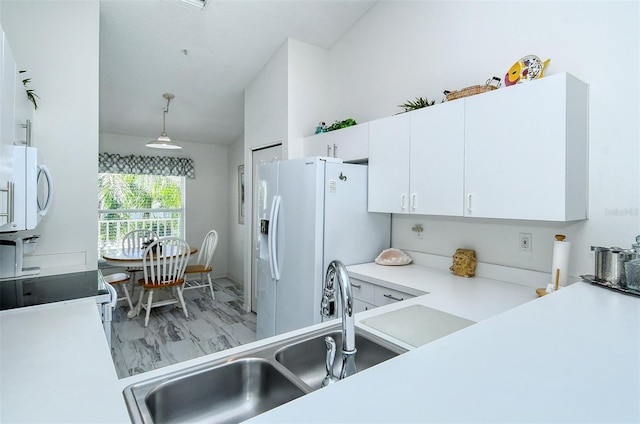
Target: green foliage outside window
x,y
138,201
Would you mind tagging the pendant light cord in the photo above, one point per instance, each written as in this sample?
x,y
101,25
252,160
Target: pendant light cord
x,y
164,117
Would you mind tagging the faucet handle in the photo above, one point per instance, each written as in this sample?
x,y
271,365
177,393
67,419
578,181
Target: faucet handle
x,y
331,357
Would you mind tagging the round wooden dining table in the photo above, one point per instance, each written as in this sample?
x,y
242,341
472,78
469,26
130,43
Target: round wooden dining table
x,y
134,258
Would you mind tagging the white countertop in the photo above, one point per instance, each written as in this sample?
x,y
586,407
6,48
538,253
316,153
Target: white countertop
x,y
55,366
573,355
474,298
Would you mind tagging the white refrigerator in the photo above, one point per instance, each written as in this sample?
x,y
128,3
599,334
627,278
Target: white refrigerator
x,y
310,212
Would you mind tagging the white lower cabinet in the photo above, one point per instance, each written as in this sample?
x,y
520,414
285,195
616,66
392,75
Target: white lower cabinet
x,y
368,296
385,296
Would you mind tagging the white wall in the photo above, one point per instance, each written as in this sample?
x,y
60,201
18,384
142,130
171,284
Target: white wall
x,y
58,43
308,91
236,230
403,50
265,123
206,195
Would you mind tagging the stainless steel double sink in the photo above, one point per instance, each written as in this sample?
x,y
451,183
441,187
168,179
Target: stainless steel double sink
x,y
238,387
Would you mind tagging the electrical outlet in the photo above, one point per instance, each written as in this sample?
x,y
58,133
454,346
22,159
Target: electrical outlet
x,y
525,242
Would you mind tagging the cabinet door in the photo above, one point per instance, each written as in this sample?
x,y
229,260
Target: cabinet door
x,y
360,306
352,143
389,164
437,160
363,290
516,152
318,145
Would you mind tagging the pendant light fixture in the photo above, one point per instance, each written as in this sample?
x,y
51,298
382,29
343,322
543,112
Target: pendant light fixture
x,y
164,142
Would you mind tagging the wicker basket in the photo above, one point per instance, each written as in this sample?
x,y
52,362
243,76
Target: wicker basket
x,y
469,91
491,84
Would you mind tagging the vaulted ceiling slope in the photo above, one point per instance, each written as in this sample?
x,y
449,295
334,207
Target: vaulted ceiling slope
x,y
205,57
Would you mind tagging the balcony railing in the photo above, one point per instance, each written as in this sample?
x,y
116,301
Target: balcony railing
x,y
114,224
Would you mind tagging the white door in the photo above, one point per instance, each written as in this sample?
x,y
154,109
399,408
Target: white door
x,y
259,157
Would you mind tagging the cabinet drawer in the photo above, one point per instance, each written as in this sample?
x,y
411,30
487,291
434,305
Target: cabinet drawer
x,y
359,306
385,296
362,290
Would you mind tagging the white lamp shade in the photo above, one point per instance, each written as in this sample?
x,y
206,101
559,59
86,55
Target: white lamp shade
x,y
163,142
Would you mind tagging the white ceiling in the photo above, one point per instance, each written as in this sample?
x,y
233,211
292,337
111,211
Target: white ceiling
x,y
142,56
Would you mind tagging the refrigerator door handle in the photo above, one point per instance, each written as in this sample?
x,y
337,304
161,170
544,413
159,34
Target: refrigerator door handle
x,y
270,236
274,237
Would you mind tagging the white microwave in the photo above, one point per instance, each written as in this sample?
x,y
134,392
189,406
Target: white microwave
x,y
26,189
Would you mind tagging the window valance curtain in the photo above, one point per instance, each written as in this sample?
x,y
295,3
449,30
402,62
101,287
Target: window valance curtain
x,y
147,165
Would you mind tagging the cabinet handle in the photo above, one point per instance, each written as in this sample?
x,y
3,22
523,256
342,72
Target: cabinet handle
x,y
388,296
335,150
413,202
469,196
402,196
328,150
356,286
27,127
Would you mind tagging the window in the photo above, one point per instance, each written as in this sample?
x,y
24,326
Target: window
x,y
130,202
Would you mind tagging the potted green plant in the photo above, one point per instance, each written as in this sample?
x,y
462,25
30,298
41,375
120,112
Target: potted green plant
x,y
31,94
341,124
418,103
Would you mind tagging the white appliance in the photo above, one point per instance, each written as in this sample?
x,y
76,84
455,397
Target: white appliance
x,y
310,211
26,188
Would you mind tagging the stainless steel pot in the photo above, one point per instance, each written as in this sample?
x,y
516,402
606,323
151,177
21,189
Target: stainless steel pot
x,y
610,264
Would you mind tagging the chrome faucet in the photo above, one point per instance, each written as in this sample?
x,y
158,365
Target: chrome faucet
x,y
336,271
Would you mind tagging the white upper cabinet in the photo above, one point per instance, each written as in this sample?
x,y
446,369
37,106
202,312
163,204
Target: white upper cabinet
x,y
389,154
416,162
350,144
318,145
436,164
526,151
520,152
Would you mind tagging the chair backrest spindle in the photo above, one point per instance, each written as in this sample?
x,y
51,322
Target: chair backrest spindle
x,y
165,260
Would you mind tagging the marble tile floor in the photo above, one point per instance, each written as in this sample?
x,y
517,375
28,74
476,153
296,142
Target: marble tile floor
x,y
213,325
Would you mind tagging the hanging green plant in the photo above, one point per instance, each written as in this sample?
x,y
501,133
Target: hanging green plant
x,y
31,94
418,103
342,124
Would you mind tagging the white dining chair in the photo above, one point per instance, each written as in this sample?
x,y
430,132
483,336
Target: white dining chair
x,y
203,265
164,263
137,240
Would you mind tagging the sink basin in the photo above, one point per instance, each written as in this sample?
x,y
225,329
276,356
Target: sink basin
x,y
227,393
306,359
237,387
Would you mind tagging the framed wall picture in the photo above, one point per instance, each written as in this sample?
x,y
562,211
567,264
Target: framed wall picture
x,y
241,194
